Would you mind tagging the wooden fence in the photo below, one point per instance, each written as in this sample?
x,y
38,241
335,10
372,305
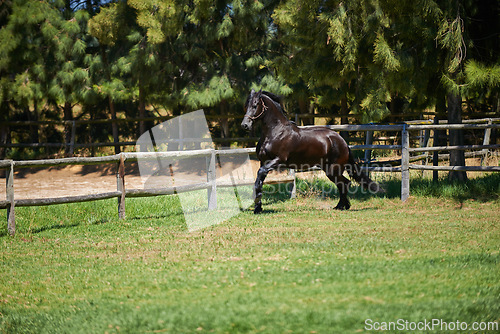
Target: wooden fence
x,y
212,184
72,144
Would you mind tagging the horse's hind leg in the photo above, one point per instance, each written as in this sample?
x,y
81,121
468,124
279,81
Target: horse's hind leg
x,y
342,184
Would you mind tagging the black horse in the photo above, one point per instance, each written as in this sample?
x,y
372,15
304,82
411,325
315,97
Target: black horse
x,y
284,144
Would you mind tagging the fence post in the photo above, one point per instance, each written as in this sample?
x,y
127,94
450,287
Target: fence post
x,y
368,152
425,143
435,154
486,141
368,141
211,179
427,135
293,190
11,215
120,185
405,161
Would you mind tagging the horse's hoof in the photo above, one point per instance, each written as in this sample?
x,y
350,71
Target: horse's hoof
x,y
342,207
257,210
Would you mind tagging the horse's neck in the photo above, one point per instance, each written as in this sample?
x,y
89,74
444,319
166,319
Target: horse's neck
x,y
273,117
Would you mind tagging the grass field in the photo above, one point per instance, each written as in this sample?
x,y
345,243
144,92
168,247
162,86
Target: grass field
x,y
301,267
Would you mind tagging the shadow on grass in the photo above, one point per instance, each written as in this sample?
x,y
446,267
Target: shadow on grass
x,y
484,189
41,229
58,226
266,211
52,227
172,216
44,228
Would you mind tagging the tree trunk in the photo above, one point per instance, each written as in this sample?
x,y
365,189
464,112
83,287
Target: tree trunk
x,y
90,132
439,135
456,137
396,110
142,109
114,125
224,122
68,116
34,127
305,108
4,139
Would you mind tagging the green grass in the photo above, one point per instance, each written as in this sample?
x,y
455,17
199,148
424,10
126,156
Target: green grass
x,y
301,267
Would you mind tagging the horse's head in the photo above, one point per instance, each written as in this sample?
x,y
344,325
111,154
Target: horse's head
x,y
254,109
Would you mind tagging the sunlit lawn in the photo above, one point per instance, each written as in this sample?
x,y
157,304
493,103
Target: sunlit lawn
x,y
300,267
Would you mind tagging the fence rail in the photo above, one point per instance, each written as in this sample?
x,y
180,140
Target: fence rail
x,y
72,144
212,184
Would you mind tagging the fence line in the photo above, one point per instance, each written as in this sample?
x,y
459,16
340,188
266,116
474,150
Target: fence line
x,y
210,154
451,148
73,123
218,117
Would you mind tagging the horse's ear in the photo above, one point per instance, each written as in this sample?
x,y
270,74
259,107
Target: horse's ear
x,y
252,91
259,93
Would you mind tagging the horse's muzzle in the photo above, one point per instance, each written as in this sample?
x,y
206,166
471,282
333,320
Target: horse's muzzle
x,y
246,124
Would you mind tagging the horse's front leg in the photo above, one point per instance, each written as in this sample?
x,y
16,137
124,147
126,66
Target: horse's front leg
x,y
259,182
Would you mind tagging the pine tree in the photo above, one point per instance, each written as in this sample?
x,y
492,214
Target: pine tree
x,y
482,68
110,27
366,55
462,74
225,45
42,58
69,84
370,57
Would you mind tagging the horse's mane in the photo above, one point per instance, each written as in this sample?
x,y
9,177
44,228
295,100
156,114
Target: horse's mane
x,y
276,99
273,97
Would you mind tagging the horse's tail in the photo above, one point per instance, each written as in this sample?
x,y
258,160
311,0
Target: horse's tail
x,y
354,171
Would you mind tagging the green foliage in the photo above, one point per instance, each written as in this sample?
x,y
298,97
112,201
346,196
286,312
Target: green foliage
x,y
356,56
480,76
375,50
218,88
273,84
450,37
225,28
384,55
109,25
160,19
44,54
450,85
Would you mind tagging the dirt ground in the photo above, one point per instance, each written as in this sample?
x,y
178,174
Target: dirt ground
x,y
64,181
